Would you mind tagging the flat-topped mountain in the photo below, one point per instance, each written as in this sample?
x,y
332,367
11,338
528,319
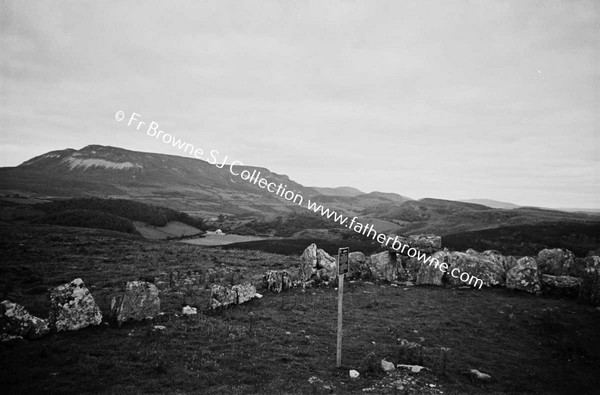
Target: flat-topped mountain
x,y
185,184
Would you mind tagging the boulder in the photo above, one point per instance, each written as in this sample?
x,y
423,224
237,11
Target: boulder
x,y
224,296
308,262
72,307
139,302
326,266
221,296
277,280
506,261
429,274
358,266
560,285
524,276
387,366
245,292
556,262
15,321
590,285
188,311
385,266
490,271
427,243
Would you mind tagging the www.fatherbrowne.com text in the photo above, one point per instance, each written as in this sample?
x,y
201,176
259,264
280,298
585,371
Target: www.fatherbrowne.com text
x,y
213,157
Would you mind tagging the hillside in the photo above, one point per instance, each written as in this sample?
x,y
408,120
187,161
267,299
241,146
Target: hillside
x,y
492,203
338,191
204,191
184,184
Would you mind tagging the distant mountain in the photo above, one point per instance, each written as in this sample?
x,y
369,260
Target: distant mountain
x,y
445,217
492,203
338,191
394,197
184,184
201,189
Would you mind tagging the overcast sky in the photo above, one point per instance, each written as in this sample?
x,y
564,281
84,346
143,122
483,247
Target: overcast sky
x,y
446,99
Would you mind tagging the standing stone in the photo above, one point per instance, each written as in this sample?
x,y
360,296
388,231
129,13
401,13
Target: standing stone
x,y
590,286
490,271
73,307
308,262
139,301
384,266
427,274
524,276
245,292
326,266
555,262
506,261
15,320
358,268
277,280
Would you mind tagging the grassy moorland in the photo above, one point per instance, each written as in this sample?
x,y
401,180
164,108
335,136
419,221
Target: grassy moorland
x,y
275,344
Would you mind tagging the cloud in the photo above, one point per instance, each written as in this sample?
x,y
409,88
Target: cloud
x,y
492,99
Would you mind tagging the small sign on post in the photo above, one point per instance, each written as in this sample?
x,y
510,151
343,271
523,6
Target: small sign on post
x,y
343,268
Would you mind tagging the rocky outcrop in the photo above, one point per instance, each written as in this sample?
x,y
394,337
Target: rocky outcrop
x,y
524,276
278,280
560,285
15,321
139,301
73,307
385,266
225,296
358,266
427,243
555,262
590,285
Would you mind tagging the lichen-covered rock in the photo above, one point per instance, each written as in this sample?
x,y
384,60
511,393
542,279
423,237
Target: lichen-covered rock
x,y
326,266
317,266
524,276
221,296
412,267
358,267
560,285
245,292
589,290
225,296
556,262
490,271
278,280
308,262
15,321
72,307
427,243
139,301
385,266
506,261
429,274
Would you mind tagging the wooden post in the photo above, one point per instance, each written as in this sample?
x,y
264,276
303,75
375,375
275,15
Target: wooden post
x,y
339,328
